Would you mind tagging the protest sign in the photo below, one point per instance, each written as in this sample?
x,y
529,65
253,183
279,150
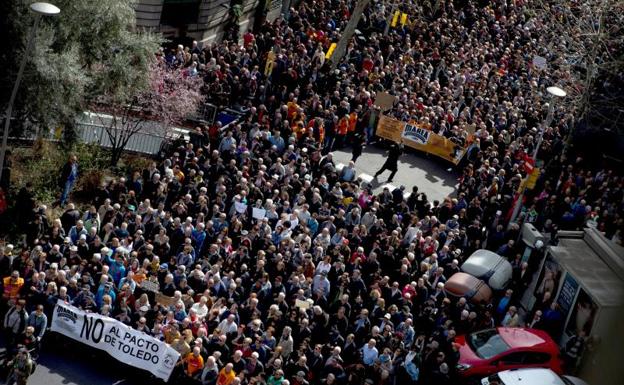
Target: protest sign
x,y
385,101
164,300
257,213
240,207
148,285
123,343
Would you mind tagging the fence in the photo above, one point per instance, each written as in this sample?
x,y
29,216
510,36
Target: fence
x,y
149,140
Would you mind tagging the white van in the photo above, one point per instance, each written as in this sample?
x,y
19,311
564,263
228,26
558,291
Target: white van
x,y
490,267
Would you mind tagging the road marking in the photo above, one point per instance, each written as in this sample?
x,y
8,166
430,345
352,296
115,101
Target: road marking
x,y
339,167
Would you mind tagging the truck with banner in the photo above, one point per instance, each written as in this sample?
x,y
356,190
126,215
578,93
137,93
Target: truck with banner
x,y
123,343
420,138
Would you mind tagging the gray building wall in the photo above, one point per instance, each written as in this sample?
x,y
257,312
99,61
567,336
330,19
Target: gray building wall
x,y
213,15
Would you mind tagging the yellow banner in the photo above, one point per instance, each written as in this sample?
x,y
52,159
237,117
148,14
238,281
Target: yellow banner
x,y
532,178
419,138
395,19
403,19
330,50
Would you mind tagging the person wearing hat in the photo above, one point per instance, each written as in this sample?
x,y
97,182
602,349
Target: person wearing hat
x,y
300,379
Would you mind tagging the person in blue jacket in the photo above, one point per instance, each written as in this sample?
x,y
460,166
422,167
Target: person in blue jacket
x,y
103,289
117,267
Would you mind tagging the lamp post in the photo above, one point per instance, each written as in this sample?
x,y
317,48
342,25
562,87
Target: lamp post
x,y
39,9
555,92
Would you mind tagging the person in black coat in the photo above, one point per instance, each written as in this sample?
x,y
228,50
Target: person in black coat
x,y
392,161
358,143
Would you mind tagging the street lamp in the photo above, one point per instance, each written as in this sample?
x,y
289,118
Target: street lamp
x,y
555,92
39,9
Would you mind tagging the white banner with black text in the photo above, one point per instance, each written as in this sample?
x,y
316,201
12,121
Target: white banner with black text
x,y
125,344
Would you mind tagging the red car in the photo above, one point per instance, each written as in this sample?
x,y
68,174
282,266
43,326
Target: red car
x,y
492,350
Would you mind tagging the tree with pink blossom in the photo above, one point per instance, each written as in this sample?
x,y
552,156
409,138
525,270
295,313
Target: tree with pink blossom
x,y
169,96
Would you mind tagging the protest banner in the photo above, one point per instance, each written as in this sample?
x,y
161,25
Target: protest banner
x,y
123,343
419,138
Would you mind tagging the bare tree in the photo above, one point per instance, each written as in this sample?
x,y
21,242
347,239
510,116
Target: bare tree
x,y
585,42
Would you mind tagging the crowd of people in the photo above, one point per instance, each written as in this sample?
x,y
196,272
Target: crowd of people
x,y
280,268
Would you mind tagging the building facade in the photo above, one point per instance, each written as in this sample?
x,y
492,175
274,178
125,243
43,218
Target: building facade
x,y
201,20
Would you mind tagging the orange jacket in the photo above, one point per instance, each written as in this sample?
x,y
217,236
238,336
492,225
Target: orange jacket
x,y
352,121
194,364
343,126
12,289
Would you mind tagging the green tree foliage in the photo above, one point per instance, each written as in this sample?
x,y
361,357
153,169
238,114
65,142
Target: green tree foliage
x,y
91,49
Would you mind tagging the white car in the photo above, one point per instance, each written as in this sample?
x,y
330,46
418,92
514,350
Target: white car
x,y
490,267
530,377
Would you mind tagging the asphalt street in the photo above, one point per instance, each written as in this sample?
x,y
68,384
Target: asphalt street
x,y
433,176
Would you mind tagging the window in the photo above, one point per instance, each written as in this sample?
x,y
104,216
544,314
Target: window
x,y
487,343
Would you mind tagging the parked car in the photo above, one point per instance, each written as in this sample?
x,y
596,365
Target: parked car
x,y
484,264
465,285
493,350
530,376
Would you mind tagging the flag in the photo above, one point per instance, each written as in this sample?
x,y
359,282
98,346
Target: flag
x,y
330,51
403,19
395,19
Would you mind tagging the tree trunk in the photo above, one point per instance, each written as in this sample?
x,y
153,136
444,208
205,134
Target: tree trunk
x,y
115,156
347,34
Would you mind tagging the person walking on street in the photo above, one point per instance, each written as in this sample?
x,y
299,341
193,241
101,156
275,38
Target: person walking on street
x,y
69,175
392,161
358,144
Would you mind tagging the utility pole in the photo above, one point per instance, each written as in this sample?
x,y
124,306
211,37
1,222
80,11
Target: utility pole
x,y
348,32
